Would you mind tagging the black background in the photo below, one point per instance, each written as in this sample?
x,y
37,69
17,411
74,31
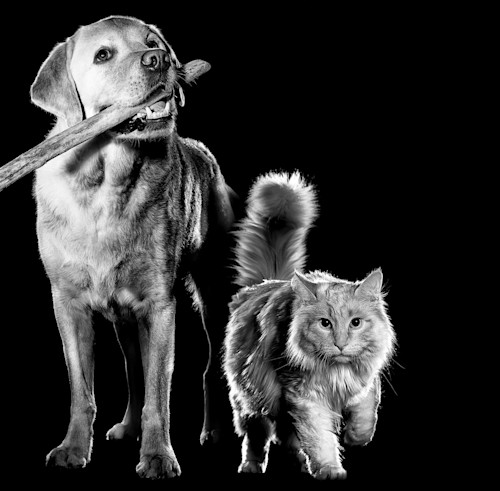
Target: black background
x,y
355,101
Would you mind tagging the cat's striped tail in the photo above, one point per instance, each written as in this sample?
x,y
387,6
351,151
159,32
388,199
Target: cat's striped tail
x,y
281,209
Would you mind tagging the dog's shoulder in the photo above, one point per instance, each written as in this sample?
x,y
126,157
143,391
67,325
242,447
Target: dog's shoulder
x,y
199,155
222,197
198,147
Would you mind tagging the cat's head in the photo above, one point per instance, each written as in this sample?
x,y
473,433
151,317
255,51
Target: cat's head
x,y
339,323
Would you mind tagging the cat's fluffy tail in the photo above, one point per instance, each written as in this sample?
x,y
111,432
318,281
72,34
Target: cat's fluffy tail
x,y
281,209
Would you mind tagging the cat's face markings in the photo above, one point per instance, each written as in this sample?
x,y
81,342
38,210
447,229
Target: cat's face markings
x,y
342,323
337,322
354,323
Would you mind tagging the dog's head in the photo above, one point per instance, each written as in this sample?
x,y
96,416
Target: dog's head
x,y
117,60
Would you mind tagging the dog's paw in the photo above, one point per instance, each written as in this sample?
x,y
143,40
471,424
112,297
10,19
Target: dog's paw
x,y
121,431
209,437
252,467
158,466
332,472
68,457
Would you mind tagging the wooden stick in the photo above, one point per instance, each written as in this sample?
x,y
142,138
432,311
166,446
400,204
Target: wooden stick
x,y
67,139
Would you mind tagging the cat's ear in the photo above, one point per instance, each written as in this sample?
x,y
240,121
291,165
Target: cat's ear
x,y
304,288
372,284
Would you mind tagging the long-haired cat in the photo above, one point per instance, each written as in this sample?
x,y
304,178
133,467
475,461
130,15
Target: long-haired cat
x,y
303,352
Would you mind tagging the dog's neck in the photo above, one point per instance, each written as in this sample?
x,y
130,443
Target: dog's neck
x,y
107,162
111,154
117,158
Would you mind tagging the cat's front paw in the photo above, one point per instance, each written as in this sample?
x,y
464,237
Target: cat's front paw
x,y
357,435
332,472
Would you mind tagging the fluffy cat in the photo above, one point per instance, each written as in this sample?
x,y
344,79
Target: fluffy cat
x,y
303,352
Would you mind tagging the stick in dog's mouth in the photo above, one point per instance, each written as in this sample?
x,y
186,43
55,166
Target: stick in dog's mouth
x,y
109,118
156,111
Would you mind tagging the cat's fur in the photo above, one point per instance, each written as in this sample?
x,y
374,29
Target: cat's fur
x,y
291,378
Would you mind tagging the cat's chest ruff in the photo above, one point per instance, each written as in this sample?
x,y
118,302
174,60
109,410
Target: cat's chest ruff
x,y
336,387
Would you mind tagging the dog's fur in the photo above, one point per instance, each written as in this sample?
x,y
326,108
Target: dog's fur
x,y
121,220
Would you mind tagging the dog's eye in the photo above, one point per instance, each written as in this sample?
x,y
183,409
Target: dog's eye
x,y
103,54
151,43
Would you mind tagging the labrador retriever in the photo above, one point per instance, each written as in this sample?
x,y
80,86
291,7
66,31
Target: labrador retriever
x,y
121,221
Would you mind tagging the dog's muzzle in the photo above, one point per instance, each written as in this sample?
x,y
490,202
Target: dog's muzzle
x,y
155,60
157,63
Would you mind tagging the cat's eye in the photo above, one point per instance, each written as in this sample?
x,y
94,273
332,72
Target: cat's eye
x,y
356,323
325,323
102,55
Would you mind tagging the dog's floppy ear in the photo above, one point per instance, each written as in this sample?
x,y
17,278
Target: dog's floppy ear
x,y
54,89
194,69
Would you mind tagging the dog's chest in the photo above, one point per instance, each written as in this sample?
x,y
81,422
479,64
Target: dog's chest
x,y
109,254
119,236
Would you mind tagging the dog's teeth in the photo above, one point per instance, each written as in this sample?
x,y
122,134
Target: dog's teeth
x,y
182,100
150,114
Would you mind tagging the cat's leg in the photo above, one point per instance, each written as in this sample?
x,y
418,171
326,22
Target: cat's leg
x,y
315,424
361,417
258,434
287,437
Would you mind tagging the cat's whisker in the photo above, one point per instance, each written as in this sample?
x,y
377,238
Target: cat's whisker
x,y
389,382
282,357
398,364
283,366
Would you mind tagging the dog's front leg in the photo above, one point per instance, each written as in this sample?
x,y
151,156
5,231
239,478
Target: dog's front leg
x,y
74,321
157,457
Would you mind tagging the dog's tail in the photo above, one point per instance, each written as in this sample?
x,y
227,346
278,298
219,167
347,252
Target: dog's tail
x,y
281,209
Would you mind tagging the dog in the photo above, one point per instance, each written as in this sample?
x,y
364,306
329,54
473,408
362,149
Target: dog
x,y
122,220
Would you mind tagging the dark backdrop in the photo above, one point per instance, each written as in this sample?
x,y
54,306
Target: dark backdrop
x,y
344,97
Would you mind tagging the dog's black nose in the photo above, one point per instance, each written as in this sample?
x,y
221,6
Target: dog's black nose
x,y
155,59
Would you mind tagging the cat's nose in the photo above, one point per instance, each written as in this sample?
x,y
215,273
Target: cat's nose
x,y
340,340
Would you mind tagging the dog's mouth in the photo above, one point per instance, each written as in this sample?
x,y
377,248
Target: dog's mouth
x,y
157,111
155,115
